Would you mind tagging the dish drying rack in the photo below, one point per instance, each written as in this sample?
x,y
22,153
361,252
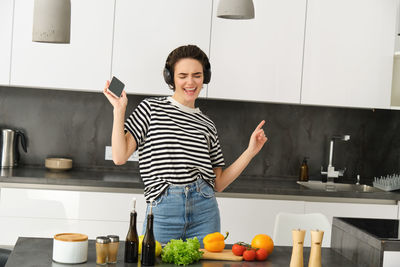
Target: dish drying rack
x,y
388,182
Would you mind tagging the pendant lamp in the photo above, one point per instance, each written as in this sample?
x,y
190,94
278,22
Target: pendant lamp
x,y
235,9
52,21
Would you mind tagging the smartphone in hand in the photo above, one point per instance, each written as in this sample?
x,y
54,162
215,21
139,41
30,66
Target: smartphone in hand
x,y
116,87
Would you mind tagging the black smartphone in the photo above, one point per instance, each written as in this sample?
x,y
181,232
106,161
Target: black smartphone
x,y
116,86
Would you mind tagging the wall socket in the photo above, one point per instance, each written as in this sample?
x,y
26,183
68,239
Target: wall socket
x,y
108,155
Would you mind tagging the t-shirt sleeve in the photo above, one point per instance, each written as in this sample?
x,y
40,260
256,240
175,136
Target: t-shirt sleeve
x,y
139,121
217,158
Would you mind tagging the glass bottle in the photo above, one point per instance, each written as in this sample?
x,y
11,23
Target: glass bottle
x,y
149,243
132,239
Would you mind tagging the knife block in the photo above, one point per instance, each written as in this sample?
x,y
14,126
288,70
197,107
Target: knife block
x,y
297,250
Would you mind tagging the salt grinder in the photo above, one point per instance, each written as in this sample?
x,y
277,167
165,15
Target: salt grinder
x,y
297,250
316,243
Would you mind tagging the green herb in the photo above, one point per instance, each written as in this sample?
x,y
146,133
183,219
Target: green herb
x,y
182,253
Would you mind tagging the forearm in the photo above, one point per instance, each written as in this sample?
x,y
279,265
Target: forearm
x,y
118,140
228,175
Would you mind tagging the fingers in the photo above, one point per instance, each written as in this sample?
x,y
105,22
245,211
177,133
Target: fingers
x,y
261,124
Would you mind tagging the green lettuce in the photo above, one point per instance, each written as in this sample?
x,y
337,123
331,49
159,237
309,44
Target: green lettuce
x,y
182,253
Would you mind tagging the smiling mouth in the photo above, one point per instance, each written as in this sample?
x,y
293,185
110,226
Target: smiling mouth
x,y
190,90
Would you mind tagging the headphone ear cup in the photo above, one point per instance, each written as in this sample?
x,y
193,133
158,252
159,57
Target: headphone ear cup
x,y
207,76
168,77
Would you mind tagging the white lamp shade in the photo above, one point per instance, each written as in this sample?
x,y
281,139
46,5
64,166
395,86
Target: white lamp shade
x,y
52,21
235,9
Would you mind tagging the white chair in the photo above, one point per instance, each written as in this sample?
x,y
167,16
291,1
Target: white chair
x,y
286,222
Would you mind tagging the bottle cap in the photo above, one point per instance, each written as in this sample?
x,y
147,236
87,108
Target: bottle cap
x,y
103,240
151,207
134,204
113,238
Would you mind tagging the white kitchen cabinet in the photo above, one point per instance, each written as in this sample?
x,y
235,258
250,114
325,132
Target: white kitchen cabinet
x,y
147,31
244,218
84,64
259,59
348,56
6,17
44,213
331,209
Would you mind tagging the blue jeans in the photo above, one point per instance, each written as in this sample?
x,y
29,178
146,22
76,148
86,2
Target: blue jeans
x,y
185,211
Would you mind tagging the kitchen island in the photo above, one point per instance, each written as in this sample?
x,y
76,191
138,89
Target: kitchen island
x,y
38,252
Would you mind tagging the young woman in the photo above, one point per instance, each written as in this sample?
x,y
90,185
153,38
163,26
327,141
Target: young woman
x,y
180,157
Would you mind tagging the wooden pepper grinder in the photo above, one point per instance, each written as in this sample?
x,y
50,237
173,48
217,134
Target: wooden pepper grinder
x,y
316,243
297,250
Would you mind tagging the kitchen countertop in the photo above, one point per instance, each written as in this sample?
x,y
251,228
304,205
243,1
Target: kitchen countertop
x,y
110,180
39,251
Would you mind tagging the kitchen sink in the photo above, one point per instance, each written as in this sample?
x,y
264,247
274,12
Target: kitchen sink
x,y
318,185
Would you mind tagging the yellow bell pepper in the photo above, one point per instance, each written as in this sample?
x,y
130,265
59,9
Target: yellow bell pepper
x,y
215,242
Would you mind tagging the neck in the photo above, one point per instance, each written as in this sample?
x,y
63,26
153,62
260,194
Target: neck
x,y
189,104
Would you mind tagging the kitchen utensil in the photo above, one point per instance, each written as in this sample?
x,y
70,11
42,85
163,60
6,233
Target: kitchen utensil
x,y
9,147
226,254
297,249
58,164
70,248
388,182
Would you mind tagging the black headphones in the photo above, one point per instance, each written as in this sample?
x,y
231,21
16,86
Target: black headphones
x,y
169,75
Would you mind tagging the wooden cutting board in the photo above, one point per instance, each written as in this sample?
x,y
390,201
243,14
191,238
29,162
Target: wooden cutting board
x,y
226,255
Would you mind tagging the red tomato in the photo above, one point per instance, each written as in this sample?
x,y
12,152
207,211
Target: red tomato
x,y
261,254
238,249
249,255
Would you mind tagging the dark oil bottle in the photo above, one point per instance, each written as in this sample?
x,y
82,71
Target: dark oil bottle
x,y
149,242
132,239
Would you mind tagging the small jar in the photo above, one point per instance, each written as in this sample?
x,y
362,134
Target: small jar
x,y
113,248
102,244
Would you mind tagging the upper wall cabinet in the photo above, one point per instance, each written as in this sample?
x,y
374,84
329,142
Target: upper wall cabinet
x,y
147,31
83,64
6,13
259,59
349,50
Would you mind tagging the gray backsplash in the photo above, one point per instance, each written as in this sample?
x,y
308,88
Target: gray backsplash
x,y
78,125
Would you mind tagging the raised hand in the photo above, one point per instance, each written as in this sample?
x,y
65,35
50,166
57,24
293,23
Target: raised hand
x,y
257,139
117,102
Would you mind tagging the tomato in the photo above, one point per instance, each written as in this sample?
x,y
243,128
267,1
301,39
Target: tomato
x,y
261,254
238,249
249,255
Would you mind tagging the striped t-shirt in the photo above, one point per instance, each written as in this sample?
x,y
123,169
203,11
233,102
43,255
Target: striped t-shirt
x,y
176,144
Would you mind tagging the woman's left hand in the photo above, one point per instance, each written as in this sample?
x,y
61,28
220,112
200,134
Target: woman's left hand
x,y
257,139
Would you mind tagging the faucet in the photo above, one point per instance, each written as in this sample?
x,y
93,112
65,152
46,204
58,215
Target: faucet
x,y
331,173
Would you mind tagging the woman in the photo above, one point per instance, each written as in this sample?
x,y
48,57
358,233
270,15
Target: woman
x,y
180,158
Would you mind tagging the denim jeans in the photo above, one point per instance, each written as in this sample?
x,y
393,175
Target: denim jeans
x,y
185,211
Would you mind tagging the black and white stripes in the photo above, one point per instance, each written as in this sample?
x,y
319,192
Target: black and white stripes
x,y
176,144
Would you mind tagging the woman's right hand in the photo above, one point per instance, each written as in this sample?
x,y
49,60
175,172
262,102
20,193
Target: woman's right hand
x,y
118,103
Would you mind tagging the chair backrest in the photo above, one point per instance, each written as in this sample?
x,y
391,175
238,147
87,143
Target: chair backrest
x,y
286,222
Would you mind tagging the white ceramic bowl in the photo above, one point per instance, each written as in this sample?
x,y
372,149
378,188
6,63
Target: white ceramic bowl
x,y
70,248
58,164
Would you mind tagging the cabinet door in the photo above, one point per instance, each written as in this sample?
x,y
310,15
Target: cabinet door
x,y
84,64
379,211
147,31
6,15
245,218
259,59
348,57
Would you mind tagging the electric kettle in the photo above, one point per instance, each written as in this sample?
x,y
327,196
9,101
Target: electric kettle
x,y
9,155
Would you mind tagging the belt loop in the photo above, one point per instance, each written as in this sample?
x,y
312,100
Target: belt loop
x,y
198,184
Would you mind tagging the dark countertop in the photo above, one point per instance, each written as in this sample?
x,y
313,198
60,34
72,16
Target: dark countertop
x,y
111,180
39,251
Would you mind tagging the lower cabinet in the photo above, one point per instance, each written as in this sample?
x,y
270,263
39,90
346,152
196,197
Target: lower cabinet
x,y
44,213
244,218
